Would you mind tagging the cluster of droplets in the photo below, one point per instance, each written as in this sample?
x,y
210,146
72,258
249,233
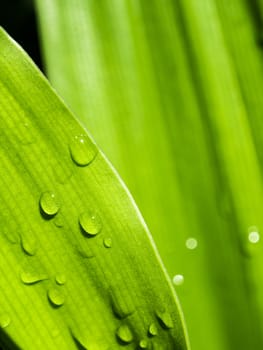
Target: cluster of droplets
x,y
125,335
82,151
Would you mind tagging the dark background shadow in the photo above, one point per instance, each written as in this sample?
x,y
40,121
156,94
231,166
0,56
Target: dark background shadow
x,y
18,18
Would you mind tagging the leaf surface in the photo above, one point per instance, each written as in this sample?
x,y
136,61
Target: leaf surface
x,y
78,265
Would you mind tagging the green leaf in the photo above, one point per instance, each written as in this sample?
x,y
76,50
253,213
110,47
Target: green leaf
x,y
172,91
78,266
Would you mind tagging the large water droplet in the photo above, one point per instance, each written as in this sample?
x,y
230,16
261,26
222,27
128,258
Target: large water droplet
x,y
61,278
124,334
56,296
49,203
191,243
82,150
107,242
178,280
143,344
90,222
164,319
153,331
5,320
32,277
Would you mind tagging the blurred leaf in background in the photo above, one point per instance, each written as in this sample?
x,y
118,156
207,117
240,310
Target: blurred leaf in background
x,y
172,92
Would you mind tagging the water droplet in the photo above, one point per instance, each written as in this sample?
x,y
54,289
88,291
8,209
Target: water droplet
x,y
11,236
49,203
90,222
29,244
82,150
5,320
143,344
32,277
191,243
254,237
178,280
121,307
107,242
56,296
25,132
61,278
153,331
58,221
164,319
55,332
124,334
85,253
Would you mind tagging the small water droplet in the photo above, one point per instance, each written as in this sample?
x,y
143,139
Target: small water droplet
x,y
143,344
121,307
61,278
49,203
82,150
25,132
5,320
191,243
58,221
32,277
29,244
55,332
164,319
107,242
90,222
85,253
178,280
124,334
56,296
153,331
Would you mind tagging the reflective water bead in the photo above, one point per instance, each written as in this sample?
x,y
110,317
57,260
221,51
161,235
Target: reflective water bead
x,y
5,320
107,242
32,277
143,344
29,244
164,319
49,203
61,278
82,150
153,331
124,334
56,296
90,222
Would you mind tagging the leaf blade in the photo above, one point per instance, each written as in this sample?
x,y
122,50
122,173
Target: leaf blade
x,y
35,134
